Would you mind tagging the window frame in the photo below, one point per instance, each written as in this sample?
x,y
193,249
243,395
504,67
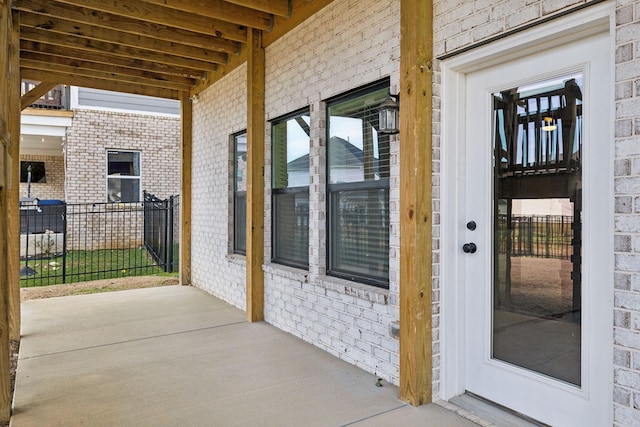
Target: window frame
x,y
39,165
276,192
377,184
124,177
237,249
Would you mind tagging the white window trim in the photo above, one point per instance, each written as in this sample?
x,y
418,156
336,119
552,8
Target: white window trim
x,y
139,177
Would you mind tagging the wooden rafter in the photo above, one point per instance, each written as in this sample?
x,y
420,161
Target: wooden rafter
x,y
64,26
148,12
127,25
96,83
113,49
98,58
165,44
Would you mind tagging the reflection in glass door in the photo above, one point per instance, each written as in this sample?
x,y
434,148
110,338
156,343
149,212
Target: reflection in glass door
x,y
537,227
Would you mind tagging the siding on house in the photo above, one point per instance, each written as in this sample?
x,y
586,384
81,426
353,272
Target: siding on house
x,y
90,98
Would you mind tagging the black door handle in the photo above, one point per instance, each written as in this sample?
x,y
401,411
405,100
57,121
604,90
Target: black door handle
x,y
469,248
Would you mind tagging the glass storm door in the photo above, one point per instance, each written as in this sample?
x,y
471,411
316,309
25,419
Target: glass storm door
x,y
533,200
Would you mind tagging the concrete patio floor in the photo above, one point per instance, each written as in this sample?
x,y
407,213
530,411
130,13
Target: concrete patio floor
x,y
176,356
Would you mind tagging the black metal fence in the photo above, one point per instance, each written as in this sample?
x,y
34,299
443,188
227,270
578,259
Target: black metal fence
x,y
542,236
161,230
66,243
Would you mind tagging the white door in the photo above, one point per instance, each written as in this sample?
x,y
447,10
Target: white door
x,y
534,231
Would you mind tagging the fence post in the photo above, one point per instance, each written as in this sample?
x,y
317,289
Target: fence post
x,y
64,244
169,237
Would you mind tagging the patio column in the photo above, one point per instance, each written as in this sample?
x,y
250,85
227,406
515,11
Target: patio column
x,y
186,116
13,204
9,114
255,176
416,70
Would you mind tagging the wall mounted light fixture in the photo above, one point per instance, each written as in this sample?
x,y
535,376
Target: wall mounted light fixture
x,y
389,115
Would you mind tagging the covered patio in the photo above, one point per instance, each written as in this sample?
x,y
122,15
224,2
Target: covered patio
x,y
178,49
175,355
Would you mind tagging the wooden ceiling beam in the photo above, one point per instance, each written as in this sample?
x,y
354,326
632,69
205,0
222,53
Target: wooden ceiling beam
x,y
139,10
63,26
104,74
28,58
276,7
99,58
219,9
95,83
127,25
109,49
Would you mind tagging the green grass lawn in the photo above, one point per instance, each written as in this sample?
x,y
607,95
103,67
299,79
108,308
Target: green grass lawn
x,y
83,266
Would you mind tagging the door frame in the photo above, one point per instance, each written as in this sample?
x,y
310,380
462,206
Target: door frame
x,y
575,26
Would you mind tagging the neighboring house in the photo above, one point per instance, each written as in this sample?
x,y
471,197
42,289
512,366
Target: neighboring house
x,y
88,147
96,146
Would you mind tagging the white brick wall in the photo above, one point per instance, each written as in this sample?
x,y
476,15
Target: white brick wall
x,y
307,66
340,49
626,393
460,23
93,132
219,112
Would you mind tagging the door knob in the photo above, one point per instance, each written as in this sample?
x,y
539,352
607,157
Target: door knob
x,y
469,248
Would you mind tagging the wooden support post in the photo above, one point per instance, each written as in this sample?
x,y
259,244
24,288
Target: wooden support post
x,y
185,196
6,79
13,202
416,71
34,94
255,174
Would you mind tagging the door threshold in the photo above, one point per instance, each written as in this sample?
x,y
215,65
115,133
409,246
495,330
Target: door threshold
x,y
497,415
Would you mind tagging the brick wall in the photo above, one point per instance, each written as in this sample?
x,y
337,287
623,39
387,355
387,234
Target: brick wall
x,y
219,112
54,173
460,23
307,66
93,132
626,395
311,64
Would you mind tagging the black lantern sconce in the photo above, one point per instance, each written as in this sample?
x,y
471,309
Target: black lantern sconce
x,y
389,115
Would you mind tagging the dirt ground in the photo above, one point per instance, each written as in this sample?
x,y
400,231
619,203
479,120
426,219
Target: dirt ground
x,y
96,286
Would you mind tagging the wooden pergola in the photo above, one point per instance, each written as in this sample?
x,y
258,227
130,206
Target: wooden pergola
x,y
175,49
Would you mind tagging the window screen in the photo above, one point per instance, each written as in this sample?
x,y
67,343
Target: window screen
x,y
358,188
240,193
290,190
123,176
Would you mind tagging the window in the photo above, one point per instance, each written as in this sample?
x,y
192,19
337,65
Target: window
x,y
358,188
290,190
36,169
240,193
123,176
